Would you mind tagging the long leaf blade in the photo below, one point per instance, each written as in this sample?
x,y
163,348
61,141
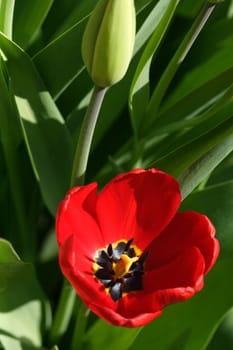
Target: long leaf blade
x,y
46,136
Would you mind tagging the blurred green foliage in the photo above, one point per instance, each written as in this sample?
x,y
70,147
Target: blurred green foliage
x,y
44,91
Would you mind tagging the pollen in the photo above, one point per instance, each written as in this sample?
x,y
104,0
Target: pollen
x,y
120,268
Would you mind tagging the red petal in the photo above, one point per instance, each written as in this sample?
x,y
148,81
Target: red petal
x,y
186,230
78,269
185,271
172,283
161,287
169,284
138,205
75,218
115,318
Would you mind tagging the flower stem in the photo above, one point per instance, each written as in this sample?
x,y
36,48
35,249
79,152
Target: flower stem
x,y
85,137
78,178
68,295
80,326
179,57
63,313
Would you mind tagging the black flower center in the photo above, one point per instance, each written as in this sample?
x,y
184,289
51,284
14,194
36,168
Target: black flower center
x,y
120,268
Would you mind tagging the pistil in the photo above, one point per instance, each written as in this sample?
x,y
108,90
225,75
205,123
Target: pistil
x,y
122,267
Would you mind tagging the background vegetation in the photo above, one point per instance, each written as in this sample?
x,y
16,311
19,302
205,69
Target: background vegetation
x,y
172,110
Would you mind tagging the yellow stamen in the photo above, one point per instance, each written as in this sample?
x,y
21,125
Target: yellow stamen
x,y
122,267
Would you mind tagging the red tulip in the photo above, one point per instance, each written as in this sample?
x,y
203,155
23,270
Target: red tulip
x,y
127,251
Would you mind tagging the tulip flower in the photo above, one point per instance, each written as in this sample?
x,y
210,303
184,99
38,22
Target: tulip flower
x,y
126,250
108,41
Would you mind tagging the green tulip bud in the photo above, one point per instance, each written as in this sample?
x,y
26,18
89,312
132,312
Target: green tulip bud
x,y
108,41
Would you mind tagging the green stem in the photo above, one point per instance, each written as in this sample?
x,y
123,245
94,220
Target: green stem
x,y
85,137
79,329
178,58
63,313
67,299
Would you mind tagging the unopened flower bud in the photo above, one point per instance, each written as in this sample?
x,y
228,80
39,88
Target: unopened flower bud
x,y
108,41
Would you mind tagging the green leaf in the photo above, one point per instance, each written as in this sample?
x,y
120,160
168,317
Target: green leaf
x,y
158,21
190,128
188,9
102,335
24,312
147,20
6,16
178,161
11,138
7,252
211,56
46,136
76,13
177,59
10,343
82,9
223,172
28,18
60,62
200,169
7,112
217,203
187,108
223,338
